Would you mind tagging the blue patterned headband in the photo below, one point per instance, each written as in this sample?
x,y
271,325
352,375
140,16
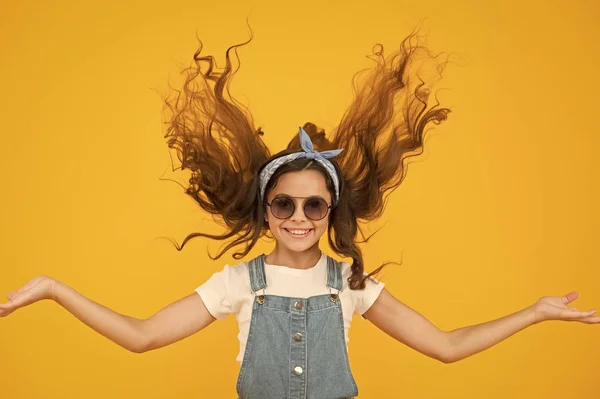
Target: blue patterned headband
x,y
309,153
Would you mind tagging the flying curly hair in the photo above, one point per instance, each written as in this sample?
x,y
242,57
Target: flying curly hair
x,y
215,138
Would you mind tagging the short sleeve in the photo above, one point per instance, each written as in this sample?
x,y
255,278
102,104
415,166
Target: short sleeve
x,y
215,294
363,299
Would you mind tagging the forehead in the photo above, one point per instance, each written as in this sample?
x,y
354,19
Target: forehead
x,y
303,183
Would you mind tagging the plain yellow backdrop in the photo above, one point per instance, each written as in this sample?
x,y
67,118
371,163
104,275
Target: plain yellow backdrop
x,y
500,209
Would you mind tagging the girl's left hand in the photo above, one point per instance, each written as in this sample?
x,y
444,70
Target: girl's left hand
x,y
555,308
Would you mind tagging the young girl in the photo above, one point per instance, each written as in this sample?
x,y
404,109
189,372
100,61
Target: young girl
x,y
294,305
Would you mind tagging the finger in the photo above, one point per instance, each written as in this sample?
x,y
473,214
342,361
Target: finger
x,y
18,301
25,287
7,305
570,297
572,314
589,320
13,294
6,308
587,314
5,312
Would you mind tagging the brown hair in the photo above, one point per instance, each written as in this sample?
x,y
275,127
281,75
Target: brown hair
x,y
215,139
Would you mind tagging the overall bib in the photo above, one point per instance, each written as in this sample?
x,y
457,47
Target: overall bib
x,y
296,347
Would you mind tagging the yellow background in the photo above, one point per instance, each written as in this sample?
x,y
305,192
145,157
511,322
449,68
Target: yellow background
x,y
500,210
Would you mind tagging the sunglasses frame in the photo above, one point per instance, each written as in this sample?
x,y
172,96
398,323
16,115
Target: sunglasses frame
x,y
329,206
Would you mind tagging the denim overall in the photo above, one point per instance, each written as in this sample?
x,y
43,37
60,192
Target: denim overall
x,y
296,347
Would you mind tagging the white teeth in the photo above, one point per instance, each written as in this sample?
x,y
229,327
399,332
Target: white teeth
x,y
298,232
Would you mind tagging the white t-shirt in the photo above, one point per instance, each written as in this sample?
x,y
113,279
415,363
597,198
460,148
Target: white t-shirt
x,y
229,291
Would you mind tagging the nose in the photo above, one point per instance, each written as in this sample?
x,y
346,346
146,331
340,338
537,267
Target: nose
x,y
298,214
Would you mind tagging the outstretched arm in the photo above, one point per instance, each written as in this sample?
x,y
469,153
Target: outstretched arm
x,y
411,328
176,321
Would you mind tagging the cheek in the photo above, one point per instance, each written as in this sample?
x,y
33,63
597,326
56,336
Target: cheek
x,y
274,223
321,225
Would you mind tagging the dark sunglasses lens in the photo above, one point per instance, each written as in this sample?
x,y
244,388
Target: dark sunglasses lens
x,y
282,207
315,208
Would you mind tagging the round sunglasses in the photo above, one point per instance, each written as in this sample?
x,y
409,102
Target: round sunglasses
x,y
283,207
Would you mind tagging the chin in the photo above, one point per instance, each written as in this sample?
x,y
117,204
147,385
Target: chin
x,y
299,247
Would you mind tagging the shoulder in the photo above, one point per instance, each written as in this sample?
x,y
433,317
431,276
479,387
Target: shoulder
x,y
230,277
232,273
223,291
362,299
347,272
238,270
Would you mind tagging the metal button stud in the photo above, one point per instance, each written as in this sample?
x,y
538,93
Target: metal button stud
x,y
298,370
298,337
261,299
298,305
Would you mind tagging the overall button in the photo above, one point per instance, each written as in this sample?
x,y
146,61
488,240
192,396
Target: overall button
x,y
298,337
298,370
298,305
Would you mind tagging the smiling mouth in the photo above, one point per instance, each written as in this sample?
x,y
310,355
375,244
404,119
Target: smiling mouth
x,y
298,233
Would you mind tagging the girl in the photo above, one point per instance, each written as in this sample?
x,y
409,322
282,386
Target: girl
x,y
294,305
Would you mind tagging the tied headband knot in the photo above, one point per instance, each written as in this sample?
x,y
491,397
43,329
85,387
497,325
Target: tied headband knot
x,y
309,153
312,155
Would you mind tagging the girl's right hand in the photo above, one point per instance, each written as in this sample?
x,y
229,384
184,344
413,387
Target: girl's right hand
x,y
35,290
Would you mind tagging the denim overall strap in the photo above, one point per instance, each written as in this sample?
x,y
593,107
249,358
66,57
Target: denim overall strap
x,y
258,280
334,274
256,268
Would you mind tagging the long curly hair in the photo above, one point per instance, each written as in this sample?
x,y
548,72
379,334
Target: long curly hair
x,y
215,138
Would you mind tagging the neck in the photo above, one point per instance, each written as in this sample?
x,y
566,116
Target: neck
x,y
296,260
